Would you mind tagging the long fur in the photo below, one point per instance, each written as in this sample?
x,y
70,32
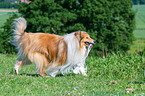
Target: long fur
x,y
54,53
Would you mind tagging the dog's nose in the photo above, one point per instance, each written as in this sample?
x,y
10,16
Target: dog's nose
x,y
94,41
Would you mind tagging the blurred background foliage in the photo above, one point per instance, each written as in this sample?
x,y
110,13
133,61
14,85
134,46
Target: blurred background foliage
x,y
110,23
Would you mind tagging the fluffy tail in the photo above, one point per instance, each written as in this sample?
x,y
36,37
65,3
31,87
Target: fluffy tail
x,y
19,27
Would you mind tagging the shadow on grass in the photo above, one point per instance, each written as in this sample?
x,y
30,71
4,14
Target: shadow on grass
x,y
13,72
60,75
32,75
136,82
38,75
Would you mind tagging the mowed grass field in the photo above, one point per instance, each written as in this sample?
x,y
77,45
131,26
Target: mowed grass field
x,y
140,16
139,33
3,17
115,75
140,21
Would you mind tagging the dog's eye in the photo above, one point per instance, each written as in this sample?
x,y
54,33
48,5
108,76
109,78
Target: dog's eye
x,y
86,37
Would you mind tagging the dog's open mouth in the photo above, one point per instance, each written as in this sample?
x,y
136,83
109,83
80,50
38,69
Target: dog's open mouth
x,y
88,44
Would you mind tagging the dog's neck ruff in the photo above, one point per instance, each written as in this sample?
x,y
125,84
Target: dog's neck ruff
x,y
75,55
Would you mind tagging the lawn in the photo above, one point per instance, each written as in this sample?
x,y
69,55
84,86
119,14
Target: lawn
x,y
138,46
139,33
3,17
106,77
140,21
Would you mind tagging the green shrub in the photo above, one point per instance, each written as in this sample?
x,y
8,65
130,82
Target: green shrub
x,y
5,35
110,23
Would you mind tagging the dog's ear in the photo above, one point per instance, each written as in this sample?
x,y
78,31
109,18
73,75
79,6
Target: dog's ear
x,y
78,35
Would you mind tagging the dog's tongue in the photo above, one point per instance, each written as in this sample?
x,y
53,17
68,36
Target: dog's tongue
x,y
91,45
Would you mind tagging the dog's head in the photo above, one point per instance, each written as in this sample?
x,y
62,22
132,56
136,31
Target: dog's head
x,y
84,38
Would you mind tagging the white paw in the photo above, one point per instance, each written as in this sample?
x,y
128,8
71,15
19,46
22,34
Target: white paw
x,y
16,70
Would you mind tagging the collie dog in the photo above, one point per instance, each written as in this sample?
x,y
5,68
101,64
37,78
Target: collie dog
x,y
50,52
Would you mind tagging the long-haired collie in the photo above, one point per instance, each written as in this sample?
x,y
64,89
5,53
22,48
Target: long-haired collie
x,y
50,52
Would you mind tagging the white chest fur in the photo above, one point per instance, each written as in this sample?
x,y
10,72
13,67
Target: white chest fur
x,y
75,57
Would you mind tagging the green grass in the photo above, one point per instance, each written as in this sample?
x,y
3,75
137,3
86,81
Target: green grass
x,y
3,17
139,33
140,21
127,71
8,9
138,46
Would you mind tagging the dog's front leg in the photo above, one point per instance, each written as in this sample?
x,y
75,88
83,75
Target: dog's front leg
x,y
80,69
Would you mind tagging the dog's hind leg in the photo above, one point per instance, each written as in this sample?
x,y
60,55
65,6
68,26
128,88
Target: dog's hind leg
x,y
41,62
42,71
20,63
17,66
